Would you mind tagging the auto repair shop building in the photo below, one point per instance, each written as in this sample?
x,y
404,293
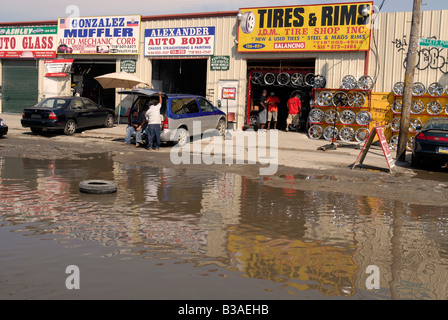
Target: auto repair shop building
x,y
224,56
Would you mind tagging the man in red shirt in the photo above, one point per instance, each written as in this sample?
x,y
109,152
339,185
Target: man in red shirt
x,y
272,102
294,110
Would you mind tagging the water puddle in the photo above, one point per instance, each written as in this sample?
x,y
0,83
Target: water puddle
x,y
178,234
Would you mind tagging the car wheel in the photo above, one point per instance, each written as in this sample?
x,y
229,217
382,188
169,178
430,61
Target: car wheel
x,y
36,130
97,187
109,123
221,127
415,162
70,127
181,136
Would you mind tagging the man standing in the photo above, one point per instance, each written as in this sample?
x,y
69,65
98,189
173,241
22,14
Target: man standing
x,y
272,101
262,111
294,110
135,126
154,124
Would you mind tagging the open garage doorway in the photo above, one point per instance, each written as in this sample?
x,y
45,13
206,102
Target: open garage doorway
x,y
180,76
284,78
83,82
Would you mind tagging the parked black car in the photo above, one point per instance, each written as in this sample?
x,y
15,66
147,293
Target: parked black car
x,y
67,114
431,143
3,128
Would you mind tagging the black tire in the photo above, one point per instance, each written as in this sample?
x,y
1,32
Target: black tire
x,y
182,137
36,130
70,127
415,162
221,127
97,187
109,122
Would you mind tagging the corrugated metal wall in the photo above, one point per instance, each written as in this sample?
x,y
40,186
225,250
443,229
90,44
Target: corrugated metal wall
x,y
390,44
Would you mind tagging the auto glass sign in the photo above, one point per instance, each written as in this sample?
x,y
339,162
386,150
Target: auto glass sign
x,y
193,41
332,27
99,35
28,42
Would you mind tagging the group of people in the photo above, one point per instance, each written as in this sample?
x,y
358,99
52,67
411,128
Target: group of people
x,y
268,110
148,122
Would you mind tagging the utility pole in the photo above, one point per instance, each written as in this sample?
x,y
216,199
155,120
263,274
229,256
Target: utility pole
x,y
411,63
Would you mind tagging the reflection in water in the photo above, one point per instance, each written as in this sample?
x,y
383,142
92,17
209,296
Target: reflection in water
x,y
304,241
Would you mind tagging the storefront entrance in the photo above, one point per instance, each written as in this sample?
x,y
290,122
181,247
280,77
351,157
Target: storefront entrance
x,y
20,85
284,78
180,75
83,81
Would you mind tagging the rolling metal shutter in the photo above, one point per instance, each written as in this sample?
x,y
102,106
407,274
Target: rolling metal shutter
x,y
20,85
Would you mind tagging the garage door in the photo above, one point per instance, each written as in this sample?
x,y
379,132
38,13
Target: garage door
x,y
20,80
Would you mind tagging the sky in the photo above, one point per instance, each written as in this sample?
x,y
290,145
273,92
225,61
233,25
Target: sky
x,y
41,10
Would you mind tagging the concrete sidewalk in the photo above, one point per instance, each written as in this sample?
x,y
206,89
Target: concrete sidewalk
x,y
294,149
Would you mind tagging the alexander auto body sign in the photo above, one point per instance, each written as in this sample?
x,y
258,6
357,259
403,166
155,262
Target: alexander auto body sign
x,y
193,41
99,35
28,42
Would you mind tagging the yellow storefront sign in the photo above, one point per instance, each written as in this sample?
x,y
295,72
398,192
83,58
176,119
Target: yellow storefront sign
x,y
332,27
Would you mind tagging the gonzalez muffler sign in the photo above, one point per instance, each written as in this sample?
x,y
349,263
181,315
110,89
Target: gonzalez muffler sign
x,y
333,27
99,35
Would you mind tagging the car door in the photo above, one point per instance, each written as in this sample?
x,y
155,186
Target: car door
x,y
79,113
96,115
208,114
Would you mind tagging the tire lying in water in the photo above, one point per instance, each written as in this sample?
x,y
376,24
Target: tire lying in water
x,y
97,187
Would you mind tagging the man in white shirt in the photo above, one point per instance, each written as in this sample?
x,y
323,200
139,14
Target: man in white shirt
x,y
154,125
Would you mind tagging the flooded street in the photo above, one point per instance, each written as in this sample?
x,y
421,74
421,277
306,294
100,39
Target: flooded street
x,y
187,234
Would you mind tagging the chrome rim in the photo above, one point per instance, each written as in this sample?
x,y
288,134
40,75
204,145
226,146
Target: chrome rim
x,y
324,98
362,134
418,89
365,83
257,78
414,123
331,116
398,88
393,142
435,89
347,117
182,137
349,82
309,79
330,132
363,118
269,78
397,106
316,115
395,124
417,107
283,78
346,134
296,80
434,107
319,81
356,99
315,132
71,127
340,99
110,121
410,143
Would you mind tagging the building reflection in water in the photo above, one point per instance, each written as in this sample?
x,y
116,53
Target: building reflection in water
x,y
303,241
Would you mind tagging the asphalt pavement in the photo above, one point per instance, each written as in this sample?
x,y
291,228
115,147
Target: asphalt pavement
x,y
295,149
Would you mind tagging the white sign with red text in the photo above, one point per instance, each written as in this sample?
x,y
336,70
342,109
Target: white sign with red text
x,y
58,67
28,42
192,41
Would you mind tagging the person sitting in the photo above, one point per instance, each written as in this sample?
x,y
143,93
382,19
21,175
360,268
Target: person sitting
x,y
136,127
